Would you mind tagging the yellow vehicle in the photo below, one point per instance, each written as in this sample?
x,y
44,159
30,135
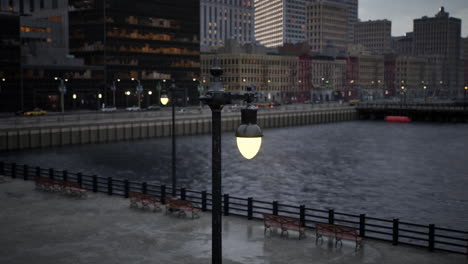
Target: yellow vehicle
x,y
353,101
35,112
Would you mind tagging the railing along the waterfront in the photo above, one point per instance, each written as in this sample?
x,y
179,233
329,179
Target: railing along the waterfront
x,y
412,106
391,230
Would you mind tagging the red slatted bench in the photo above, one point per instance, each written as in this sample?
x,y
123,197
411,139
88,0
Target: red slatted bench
x,y
337,232
285,223
181,207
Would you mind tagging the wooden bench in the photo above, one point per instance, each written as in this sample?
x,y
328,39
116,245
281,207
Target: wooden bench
x,y
45,184
181,207
64,187
285,223
338,232
72,189
146,200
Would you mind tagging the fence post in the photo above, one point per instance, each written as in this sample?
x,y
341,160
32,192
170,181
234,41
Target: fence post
x,y
302,215
109,185
275,207
144,188
38,172
226,204
126,188
203,201
95,187
250,208
13,170
431,237
163,194
51,173
362,225
396,224
79,179
25,172
2,168
331,216
65,175
182,193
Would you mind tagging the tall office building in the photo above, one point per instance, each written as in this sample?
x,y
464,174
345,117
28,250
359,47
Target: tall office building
x,y
147,40
326,25
439,38
226,20
43,54
278,22
352,6
376,35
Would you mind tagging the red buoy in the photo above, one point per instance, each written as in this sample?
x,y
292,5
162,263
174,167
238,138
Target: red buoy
x,y
398,119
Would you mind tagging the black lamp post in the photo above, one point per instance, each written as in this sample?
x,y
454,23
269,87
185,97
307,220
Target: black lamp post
x,y
164,100
248,135
464,97
63,90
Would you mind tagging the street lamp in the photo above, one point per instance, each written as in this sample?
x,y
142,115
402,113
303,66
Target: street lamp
x,y
403,93
139,91
113,89
127,93
164,100
3,80
425,97
63,90
464,97
216,98
148,98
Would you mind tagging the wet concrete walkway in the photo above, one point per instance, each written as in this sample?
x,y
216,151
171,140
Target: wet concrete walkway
x,y
38,227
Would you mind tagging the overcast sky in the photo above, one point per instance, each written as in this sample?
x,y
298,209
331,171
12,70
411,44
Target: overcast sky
x,y
402,12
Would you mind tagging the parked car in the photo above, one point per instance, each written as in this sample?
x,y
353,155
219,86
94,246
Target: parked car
x,y
133,108
154,108
35,112
109,109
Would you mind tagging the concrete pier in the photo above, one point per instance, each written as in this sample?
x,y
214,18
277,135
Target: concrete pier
x,y
40,227
117,130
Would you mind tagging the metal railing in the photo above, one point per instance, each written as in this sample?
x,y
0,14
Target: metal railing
x,y
391,230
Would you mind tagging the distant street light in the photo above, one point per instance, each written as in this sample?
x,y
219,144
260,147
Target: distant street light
x,y
138,90
148,99
464,98
127,93
113,89
63,90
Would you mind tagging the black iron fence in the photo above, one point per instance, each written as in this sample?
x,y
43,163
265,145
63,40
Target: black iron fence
x,y
391,230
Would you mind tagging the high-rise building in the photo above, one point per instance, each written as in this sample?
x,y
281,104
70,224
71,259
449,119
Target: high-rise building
x,y
9,62
440,37
279,21
43,55
375,35
465,61
352,6
148,41
326,25
224,20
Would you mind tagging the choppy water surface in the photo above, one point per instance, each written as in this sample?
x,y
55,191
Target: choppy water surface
x,y
416,172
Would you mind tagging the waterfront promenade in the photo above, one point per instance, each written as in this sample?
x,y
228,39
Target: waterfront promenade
x,y
38,227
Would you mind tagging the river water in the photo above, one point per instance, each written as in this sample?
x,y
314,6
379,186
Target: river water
x,y
416,172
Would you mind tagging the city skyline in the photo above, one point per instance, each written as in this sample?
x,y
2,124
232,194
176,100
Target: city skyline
x,y
402,13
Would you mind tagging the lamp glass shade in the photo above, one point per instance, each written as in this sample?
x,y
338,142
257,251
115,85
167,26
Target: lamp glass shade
x,y
249,146
164,100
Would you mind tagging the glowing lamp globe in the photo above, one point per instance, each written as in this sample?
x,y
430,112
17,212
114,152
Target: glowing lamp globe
x,y
249,134
164,99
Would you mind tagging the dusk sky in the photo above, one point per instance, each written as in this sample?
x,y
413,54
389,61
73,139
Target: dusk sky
x,y
402,12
